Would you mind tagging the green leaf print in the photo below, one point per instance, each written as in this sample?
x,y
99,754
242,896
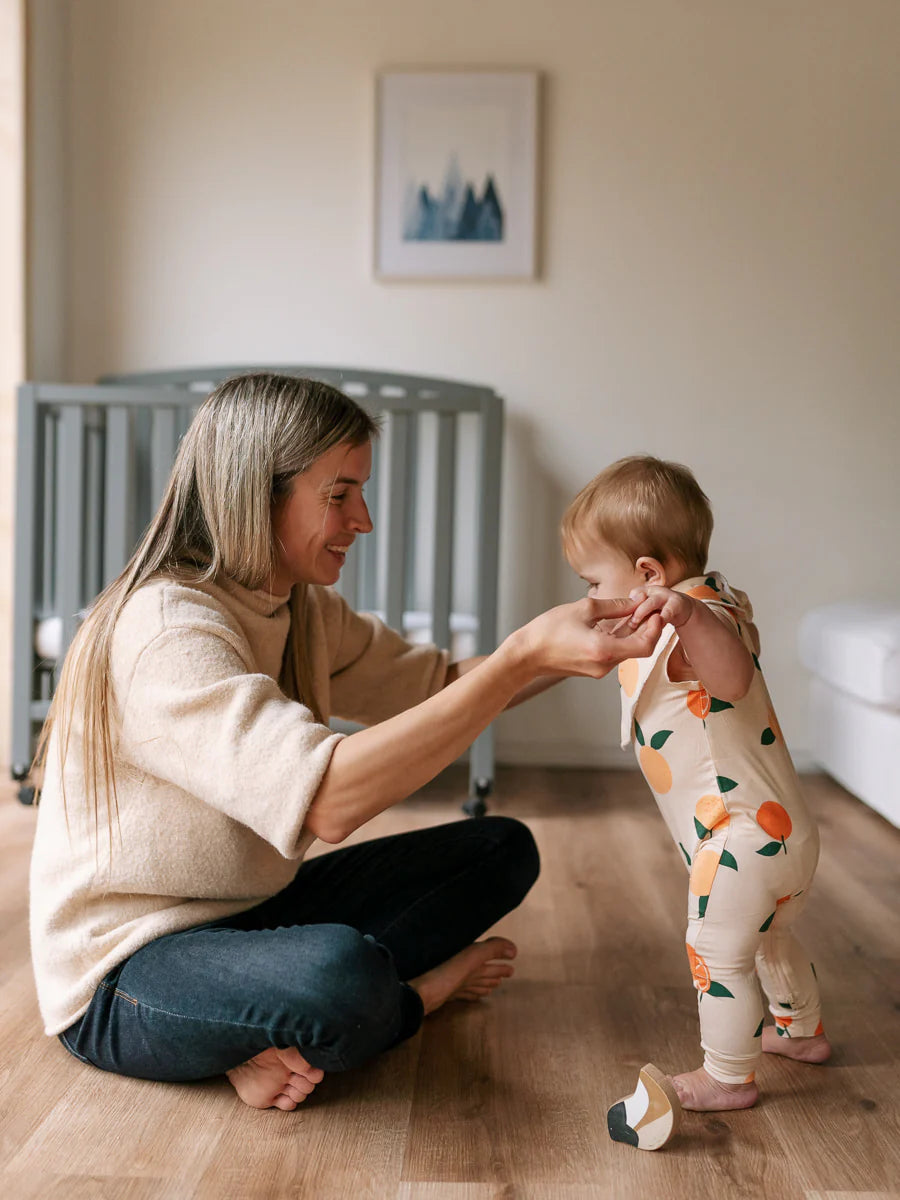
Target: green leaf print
x,y
769,849
702,831
702,902
718,705
718,989
766,923
759,1030
756,662
711,582
725,784
728,860
638,733
768,737
659,739
684,852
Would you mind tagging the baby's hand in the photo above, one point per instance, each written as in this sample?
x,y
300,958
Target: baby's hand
x,y
675,608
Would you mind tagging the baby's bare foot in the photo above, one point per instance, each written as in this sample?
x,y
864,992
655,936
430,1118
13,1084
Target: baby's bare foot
x,y
804,1049
275,1079
469,975
701,1093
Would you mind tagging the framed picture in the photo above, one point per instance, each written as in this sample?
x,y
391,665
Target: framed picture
x,y
456,175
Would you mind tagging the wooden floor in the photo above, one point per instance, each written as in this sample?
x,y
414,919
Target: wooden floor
x,y
507,1098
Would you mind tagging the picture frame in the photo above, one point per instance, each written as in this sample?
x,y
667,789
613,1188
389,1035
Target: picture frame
x,y
456,174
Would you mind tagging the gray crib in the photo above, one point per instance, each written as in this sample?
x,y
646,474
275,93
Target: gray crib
x,y
93,462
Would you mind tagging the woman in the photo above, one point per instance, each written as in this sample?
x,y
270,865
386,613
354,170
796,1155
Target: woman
x,y
188,766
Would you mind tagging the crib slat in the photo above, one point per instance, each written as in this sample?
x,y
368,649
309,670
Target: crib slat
x,y
26,550
163,440
348,584
94,471
70,521
442,542
489,523
119,493
46,423
397,505
481,754
366,547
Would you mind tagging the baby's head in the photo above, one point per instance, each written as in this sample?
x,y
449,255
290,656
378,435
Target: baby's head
x,y
640,522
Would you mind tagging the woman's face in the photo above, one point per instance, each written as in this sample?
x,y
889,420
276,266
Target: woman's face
x,y
316,523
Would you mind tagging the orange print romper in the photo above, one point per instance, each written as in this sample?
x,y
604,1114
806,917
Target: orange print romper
x,y
728,791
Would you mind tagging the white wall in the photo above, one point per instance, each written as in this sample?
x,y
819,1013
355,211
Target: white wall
x,y
721,262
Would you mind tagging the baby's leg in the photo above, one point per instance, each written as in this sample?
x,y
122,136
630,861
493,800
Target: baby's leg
x,y
789,981
731,1015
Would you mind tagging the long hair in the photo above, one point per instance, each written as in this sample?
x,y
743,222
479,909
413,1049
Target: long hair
x,y
251,436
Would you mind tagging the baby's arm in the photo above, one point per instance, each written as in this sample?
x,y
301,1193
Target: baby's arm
x,y
718,657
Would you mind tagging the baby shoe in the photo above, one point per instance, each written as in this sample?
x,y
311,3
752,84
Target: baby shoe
x,y
650,1116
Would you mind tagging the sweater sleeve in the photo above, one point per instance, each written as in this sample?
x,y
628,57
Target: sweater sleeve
x,y
375,673
195,717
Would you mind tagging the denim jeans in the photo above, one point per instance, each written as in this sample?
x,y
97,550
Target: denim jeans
x,y
320,966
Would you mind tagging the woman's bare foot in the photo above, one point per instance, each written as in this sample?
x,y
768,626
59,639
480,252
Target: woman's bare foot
x,y
469,975
804,1049
701,1093
275,1079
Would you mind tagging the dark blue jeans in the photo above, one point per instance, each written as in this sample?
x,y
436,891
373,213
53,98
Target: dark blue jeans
x,y
320,966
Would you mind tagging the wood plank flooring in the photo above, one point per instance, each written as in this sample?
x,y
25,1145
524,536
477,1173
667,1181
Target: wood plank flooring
x,y
507,1098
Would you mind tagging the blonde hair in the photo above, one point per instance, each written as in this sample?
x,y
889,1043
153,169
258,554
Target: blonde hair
x,y
643,505
251,436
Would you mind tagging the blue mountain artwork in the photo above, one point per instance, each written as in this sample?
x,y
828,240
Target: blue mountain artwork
x,y
458,214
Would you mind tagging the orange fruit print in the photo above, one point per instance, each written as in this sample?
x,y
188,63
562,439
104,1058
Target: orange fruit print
x,y
699,970
700,973
698,703
656,770
628,675
703,592
709,814
773,818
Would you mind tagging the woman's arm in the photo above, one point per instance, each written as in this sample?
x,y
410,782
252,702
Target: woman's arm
x,y
718,657
375,768
457,669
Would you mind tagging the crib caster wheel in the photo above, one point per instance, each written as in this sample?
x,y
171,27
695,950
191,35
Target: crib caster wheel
x,y
476,805
26,795
18,772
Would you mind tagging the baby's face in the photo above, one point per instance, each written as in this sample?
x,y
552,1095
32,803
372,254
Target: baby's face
x,y
608,573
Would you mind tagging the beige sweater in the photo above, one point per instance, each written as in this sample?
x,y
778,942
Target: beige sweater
x,y
215,769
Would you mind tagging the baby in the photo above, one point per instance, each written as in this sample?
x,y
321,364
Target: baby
x,y
709,745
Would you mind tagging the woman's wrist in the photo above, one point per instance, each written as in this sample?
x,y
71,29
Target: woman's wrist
x,y
517,658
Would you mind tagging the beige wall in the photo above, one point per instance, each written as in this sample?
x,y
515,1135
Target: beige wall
x,y
12,311
721,255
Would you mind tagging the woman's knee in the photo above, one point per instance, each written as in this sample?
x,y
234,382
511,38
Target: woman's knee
x,y
351,1004
514,843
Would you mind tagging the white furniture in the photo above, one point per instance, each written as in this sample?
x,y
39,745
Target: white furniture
x,y
853,653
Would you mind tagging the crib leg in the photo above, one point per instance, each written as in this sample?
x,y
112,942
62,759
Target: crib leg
x,y
26,792
476,805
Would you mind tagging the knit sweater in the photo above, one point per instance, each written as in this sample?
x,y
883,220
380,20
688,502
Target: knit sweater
x,y
215,768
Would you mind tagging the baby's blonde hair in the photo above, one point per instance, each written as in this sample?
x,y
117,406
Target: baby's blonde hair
x,y
642,505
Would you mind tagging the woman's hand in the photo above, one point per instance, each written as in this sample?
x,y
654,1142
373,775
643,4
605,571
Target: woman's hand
x,y
578,639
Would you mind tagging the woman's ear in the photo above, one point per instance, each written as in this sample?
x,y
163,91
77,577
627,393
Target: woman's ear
x,y
652,570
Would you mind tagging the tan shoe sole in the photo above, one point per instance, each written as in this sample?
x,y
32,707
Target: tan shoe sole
x,y
650,1116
